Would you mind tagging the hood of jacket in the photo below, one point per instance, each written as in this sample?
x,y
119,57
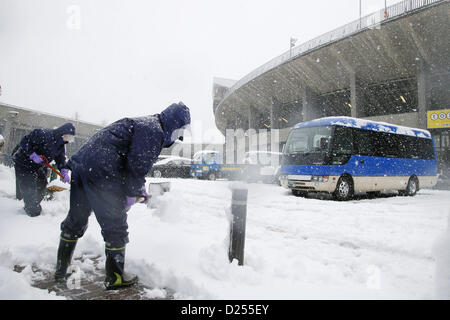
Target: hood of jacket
x,y
174,117
67,128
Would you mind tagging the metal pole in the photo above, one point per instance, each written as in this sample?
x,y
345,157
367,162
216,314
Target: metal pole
x,y
238,223
385,15
360,26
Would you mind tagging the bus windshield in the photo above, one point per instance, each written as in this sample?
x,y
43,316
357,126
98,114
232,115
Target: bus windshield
x,y
309,140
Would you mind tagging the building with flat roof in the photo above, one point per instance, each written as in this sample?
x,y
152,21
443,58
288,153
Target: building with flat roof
x,y
16,122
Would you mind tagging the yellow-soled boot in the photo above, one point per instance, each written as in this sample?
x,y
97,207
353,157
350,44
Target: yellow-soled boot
x,y
116,278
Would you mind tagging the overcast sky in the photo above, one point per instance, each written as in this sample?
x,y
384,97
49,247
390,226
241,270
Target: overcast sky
x,y
108,59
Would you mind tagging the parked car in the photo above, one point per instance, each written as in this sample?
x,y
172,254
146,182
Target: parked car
x,y
262,166
165,156
172,167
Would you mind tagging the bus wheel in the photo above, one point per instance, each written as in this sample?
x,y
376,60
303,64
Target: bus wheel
x,y
212,176
411,188
344,189
299,193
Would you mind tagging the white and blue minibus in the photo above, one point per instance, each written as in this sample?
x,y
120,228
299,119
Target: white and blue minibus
x,y
343,156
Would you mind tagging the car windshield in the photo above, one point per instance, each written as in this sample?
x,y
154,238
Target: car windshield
x,y
309,140
163,161
208,157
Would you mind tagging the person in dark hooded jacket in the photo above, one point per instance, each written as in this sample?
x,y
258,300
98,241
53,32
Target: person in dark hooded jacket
x,y
108,177
31,175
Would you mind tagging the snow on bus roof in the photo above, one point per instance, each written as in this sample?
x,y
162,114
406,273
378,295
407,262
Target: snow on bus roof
x,y
365,124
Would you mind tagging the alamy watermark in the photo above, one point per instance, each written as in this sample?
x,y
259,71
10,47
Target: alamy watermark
x,y
260,146
74,280
73,21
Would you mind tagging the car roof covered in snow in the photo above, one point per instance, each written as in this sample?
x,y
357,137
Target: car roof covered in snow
x,y
365,124
262,152
169,159
205,152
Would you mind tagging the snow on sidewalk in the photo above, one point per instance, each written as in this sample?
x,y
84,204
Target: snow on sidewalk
x,y
296,248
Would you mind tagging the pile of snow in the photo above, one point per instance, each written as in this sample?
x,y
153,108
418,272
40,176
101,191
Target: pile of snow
x,y
295,248
369,125
441,252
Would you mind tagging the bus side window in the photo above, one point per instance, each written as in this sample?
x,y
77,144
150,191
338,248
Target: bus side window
x,y
389,145
363,141
425,149
342,140
414,148
403,146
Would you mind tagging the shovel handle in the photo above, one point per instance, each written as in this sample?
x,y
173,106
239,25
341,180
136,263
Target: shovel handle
x,y
140,199
47,164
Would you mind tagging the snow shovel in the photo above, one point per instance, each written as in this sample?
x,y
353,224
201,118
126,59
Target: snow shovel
x,y
54,187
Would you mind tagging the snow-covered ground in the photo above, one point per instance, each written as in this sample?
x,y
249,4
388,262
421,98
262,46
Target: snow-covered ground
x,y
295,248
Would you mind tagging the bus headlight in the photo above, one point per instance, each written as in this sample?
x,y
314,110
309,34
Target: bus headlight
x,y
284,181
320,178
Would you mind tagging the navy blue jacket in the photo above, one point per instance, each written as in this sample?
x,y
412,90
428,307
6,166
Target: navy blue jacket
x,y
45,142
118,157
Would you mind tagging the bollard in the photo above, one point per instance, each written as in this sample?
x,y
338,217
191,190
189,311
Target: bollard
x,y
237,224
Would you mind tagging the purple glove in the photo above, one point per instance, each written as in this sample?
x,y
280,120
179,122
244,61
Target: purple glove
x,y
129,201
36,158
65,173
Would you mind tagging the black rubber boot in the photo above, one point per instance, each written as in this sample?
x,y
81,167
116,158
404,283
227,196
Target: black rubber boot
x,y
116,278
33,212
65,253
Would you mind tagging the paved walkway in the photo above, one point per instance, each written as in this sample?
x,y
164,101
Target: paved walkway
x,y
90,287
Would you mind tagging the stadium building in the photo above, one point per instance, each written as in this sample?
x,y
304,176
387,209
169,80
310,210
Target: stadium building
x,y
391,66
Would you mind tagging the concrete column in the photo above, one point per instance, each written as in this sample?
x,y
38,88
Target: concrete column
x,y
230,147
308,112
423,96
252,117
272,121
276,114
356,97
252,137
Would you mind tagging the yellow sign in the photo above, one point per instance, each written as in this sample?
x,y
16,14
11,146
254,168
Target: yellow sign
x,y
230,168
438,119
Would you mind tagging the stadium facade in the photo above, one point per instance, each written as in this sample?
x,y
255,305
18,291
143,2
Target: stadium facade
x,y
391,66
